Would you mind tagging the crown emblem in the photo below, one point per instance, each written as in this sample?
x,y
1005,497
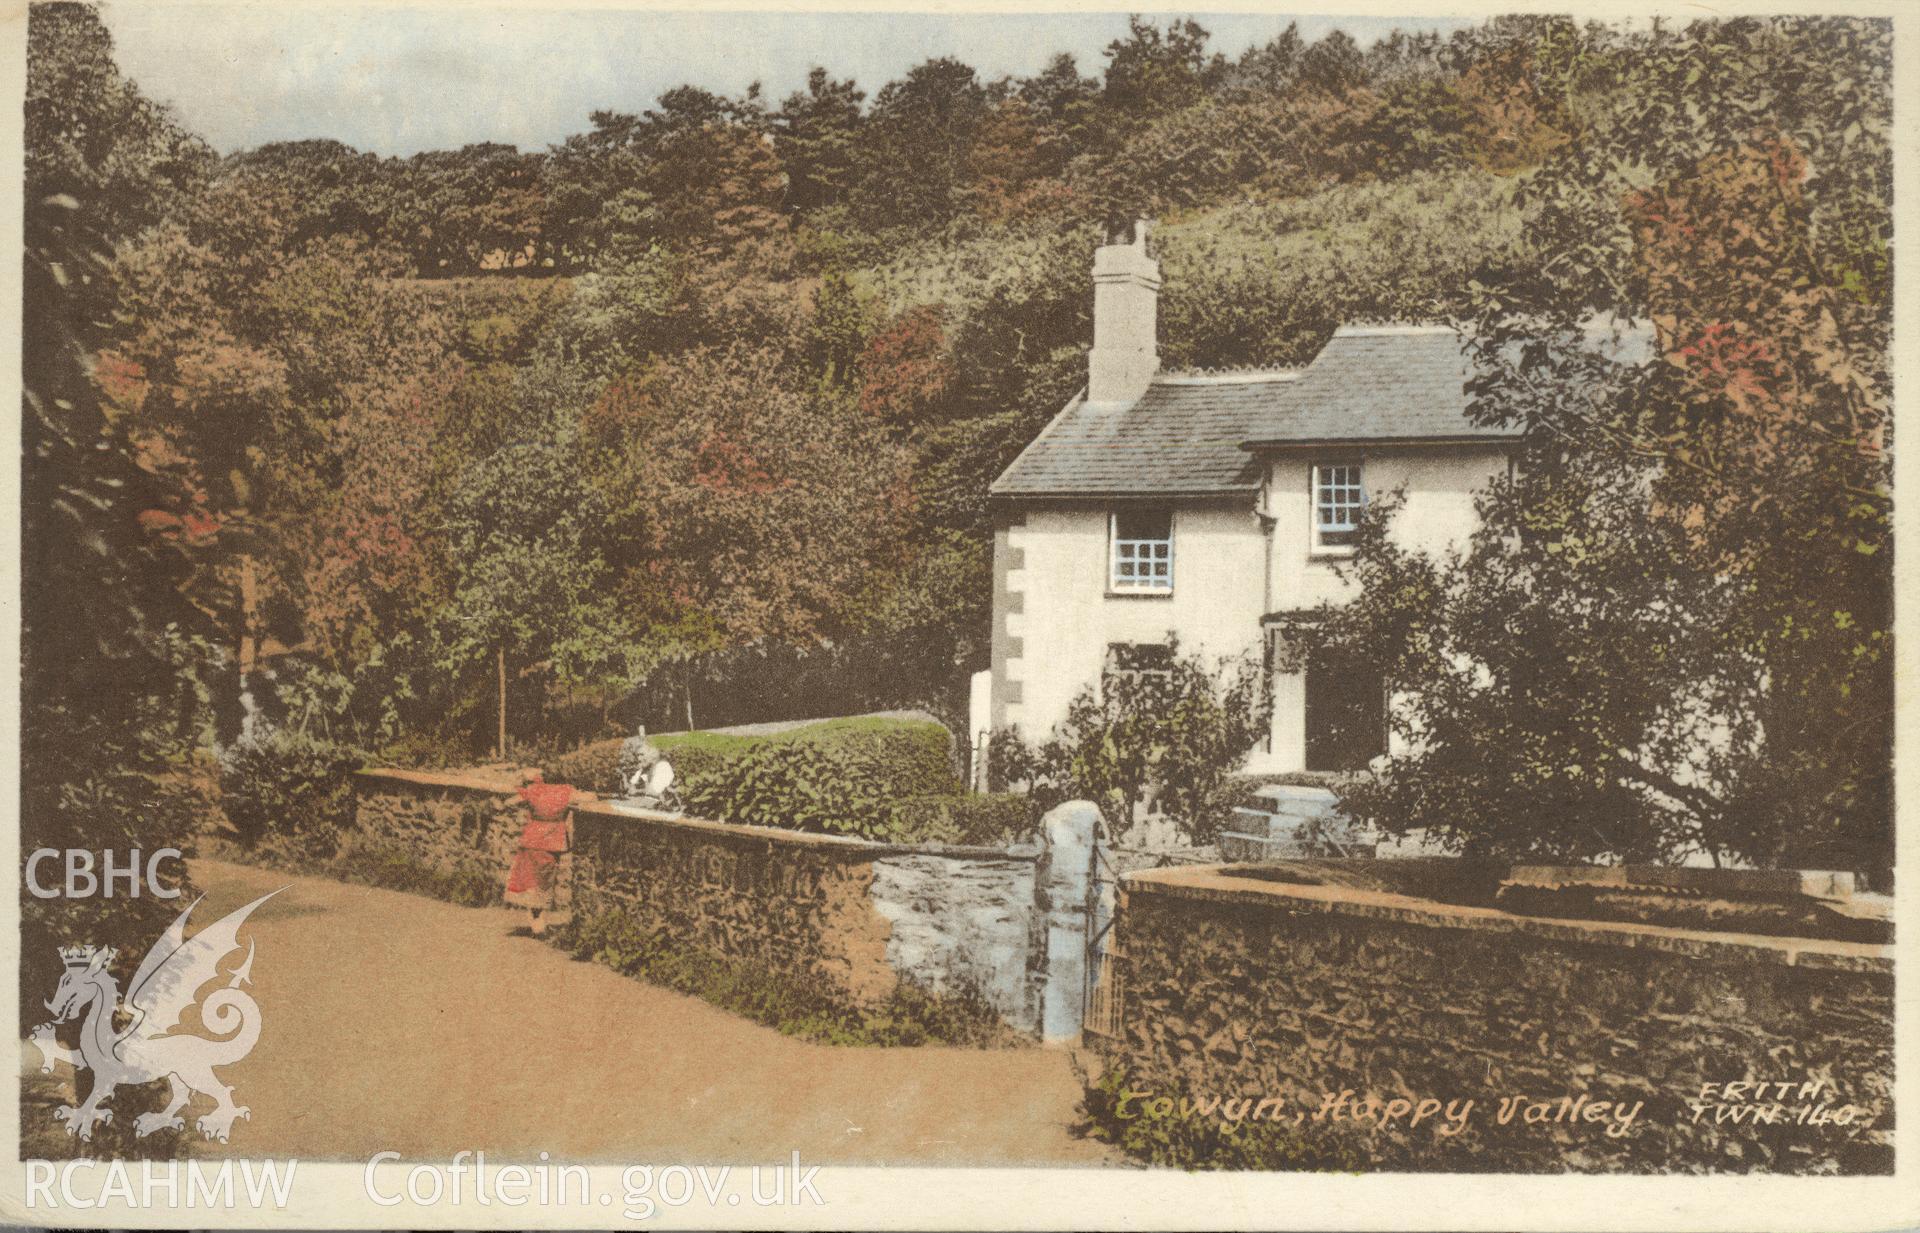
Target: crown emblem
x,y
83,956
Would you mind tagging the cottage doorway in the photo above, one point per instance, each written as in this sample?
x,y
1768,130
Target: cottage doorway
x,y
1346,713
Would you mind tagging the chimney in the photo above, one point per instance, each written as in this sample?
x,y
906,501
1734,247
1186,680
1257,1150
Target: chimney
x,y
1126,300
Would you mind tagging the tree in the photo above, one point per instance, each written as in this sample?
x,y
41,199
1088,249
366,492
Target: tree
x,y
331,190
918,137
1272,67
1156,71
740,503
594,181
529,593
1015,164
1673,632
461,211
1335,64
1059,95
908,369
105,628
93,136
818,140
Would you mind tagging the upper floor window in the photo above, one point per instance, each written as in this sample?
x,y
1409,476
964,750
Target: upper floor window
x,y
1338,498
1142,559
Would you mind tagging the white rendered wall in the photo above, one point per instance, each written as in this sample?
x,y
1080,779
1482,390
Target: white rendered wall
x,y
1067,616
1437,512
1055,617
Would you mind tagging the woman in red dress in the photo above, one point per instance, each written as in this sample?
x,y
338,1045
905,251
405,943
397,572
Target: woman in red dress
x,y
545,841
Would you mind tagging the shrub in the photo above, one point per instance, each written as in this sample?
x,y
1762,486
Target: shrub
x,y
1175,735
985,819
799,779
590,768
841,777
692,759
792,1003
292,786
847,788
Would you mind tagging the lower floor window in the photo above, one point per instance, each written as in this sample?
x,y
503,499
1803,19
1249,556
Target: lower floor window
x,y
1346,719
1139,661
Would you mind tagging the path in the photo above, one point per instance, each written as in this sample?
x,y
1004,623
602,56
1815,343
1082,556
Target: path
x,y
395,1022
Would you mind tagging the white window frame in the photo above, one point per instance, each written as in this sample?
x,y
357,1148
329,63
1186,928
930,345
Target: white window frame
x,y
1137,552
1357,485
1114,655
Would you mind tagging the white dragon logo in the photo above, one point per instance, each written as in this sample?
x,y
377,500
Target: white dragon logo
x,y
163,990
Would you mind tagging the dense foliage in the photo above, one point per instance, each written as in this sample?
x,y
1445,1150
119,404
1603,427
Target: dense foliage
x,y
1165,740
291,786
690,418
1673,632
109,638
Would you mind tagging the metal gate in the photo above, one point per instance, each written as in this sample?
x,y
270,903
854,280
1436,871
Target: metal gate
x,y
1105,989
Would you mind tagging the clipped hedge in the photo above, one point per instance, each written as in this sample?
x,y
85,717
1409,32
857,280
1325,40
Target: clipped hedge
x,y
839,776
845,782
983,819
590,768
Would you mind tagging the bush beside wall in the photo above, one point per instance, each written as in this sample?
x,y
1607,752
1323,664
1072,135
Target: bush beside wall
x,y
878,779
980,819
290,787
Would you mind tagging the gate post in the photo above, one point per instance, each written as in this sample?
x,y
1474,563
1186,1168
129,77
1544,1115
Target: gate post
x,y
1063,892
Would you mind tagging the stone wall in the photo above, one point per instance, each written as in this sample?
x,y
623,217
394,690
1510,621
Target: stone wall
x,y
1336,1002
961,925
452,824
860,917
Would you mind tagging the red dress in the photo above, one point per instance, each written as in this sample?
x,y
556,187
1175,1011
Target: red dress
x,y
543,841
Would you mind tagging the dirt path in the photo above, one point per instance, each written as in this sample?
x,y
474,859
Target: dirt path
x,y
395,1022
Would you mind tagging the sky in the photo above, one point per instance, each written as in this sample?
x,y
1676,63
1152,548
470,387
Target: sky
x,y
396,81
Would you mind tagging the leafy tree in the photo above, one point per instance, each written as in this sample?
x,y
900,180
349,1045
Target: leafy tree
x,y
1716,518
1059,95
719,192
1156,70
474,208
918,138
1272,67
593,181
105,629
742,508
528,590
1335,64
329,190
818,135
93,136
908,369
1015,165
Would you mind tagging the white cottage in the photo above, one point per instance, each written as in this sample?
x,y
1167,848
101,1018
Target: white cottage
x,y
1215,506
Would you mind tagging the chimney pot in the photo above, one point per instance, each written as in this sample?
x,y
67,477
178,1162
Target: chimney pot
x,y
1126,302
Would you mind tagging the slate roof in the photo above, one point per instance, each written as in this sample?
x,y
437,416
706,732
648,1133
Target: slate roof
x,y
1182,438
1379,383
1190,436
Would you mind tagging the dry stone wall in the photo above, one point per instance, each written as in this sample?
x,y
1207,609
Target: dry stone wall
x,y
859,917
1333,1004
